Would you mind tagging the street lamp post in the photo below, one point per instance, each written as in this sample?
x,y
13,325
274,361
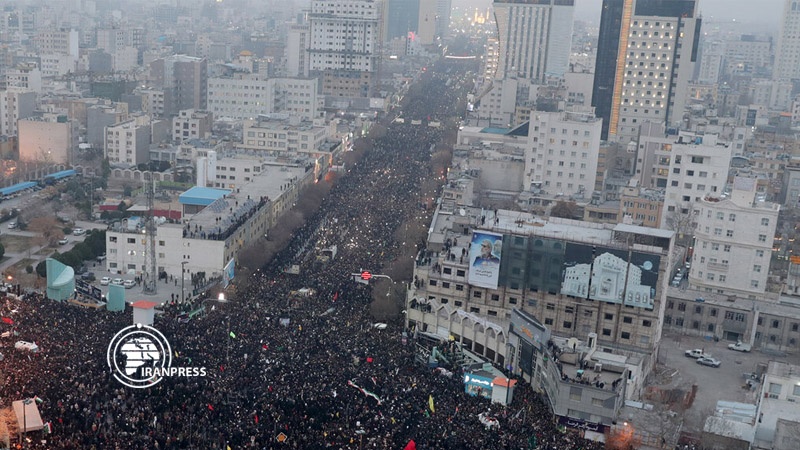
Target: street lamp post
x,y
183,275
25,404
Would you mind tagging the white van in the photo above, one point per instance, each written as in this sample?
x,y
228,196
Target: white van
x,y
26,346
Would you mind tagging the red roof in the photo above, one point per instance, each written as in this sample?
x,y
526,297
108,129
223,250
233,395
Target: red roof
x,y
144,304
503,381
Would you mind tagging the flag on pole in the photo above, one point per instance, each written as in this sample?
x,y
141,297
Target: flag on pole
x,y
430,403
233,335
48,428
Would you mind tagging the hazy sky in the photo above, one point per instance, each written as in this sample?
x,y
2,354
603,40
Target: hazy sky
x,y
760,11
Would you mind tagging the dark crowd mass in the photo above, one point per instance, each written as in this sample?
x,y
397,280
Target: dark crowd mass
x,y
325,378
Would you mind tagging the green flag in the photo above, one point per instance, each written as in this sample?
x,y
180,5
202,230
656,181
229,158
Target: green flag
x,y
233,335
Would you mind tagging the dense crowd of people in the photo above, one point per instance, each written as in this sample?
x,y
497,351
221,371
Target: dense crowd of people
x,y
316,370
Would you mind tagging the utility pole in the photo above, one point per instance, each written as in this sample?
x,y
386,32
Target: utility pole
x,y
150,273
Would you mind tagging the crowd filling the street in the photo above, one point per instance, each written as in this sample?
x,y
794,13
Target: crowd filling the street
x,y
315,370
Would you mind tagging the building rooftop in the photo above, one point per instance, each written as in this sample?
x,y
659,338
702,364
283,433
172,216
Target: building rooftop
x,y
782,369
202,196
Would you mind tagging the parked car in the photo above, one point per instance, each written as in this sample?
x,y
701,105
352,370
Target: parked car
x,y
26,346
78,231
105,281
695,353
88,276
63,241
708,361
117,281
12,225
101,258
129,284
740,347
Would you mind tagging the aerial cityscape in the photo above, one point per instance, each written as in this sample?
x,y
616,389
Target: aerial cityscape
x,y
400,224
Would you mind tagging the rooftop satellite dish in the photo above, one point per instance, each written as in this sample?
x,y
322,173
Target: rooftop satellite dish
x,y
462,212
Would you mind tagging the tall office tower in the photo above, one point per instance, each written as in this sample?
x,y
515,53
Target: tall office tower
x,y
443,9
344,45
402,16
185,78
535,37
426,24
296,43
787,56
646,54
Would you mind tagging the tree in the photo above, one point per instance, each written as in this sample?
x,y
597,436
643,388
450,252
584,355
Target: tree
x,y
681,220
2,250
565,210
41,269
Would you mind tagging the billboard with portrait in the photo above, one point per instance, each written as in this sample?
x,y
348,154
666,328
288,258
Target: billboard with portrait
x,y
610,275
484,257
228,273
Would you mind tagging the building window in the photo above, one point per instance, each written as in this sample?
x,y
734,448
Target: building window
x,y
447,270
776,324
606,332
432,282
647,323
627,319
681,306
765,222
476,294
495,298
445,285
608,316
459,287
762,238
625,335
548,321
459,273
567,324
712,312
550,306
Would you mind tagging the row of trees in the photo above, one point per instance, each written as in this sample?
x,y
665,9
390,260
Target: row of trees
x,y
93,246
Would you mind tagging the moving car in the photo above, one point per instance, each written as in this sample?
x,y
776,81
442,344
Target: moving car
x,y
26,346
740,347
129,284
88,276
105,281
708,361
695,353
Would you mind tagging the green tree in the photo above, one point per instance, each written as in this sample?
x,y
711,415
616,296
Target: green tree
x,y
41,269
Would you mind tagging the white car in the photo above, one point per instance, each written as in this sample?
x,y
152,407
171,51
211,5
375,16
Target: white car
x,y
26,346
78,232
12,225
129,284
117,281
105,281
63,241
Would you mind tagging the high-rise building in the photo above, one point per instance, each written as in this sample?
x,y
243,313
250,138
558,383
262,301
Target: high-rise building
x,y
185,77
787,56
344,46
402,16
733,242
646,54
535,37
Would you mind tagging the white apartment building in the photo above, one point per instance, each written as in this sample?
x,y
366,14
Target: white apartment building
x,y
191,124
534,39
128,142
561,157
345,45
154,100
748,54
733,241
246,96
698,166
112,39
658,67
787,54
214,229
282,135
296,43
711,62
55,64
25,77
778,426
15,105
62,42
237,170
796,111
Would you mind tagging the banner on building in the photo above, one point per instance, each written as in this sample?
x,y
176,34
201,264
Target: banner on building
x,y
228,273
484,257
